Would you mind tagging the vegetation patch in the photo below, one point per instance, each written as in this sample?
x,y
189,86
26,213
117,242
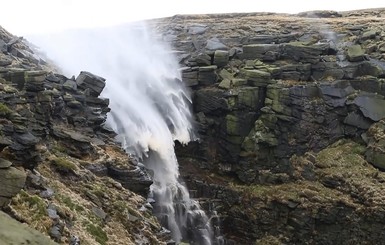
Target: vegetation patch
x,y
31,209
63,165
4,110
97,232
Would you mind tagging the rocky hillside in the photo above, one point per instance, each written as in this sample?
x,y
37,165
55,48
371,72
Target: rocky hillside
x,y
289,111
61,172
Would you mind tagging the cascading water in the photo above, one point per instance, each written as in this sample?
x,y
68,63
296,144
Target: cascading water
x,y
150,109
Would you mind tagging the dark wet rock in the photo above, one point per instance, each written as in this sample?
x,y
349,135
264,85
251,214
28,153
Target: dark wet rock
x,y
215,44
203,59
70,85
221,58
134,179
27,139
207,75
371,107
98,169
210,101
94,83
190,77
56,232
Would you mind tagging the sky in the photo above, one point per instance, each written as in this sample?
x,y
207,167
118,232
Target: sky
x,y
22,17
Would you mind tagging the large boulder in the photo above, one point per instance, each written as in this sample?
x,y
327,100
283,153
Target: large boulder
x,y
93,82
372,107
12,180
13,232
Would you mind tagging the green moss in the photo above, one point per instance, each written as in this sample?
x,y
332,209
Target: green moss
x,y
97,232
67,201
63,164
4,110
35,202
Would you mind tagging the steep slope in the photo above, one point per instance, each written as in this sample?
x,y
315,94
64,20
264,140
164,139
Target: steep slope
x,y
62,172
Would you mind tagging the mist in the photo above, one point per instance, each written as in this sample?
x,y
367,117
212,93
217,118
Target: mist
x,y
150,109
143,82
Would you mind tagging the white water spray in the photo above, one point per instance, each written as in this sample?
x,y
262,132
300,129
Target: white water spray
x,y
149,111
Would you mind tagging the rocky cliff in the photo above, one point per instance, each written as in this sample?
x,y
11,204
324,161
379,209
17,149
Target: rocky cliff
x,y
61,171
289,113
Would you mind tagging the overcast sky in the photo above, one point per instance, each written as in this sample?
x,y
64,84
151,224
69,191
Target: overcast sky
x,y
34,16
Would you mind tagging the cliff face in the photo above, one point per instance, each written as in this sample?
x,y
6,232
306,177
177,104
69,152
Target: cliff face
x,y
289,112
61,172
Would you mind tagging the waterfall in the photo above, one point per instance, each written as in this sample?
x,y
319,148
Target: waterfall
x,y
150,110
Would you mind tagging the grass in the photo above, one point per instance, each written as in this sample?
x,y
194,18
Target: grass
x,y
69,203
33,210
64,165
97,233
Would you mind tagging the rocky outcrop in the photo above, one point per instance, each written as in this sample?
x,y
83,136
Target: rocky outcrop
x,y
61,171
292,85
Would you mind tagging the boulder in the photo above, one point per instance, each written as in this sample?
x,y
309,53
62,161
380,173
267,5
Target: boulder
x,y
135,179
256,77
265,52
94,83
355,53
13,232
371,107
303,52
221,58
215,44
12,180
207,75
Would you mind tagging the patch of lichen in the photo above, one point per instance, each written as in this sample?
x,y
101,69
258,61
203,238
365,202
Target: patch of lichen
x,y
4,110
344,164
